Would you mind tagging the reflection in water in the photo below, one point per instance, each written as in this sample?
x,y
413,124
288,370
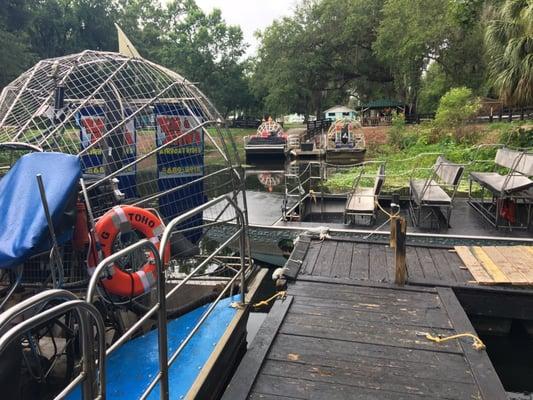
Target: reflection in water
x,y
269,180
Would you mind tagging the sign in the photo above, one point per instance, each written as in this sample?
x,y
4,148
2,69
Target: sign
x,y
179,163
91,121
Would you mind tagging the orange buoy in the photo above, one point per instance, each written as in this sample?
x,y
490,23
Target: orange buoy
x,y
122,219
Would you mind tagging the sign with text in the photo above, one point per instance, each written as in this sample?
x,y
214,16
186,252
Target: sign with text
x,y
92,123
180,162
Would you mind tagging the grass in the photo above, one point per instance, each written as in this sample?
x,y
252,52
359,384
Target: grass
x,y
212,155
407,157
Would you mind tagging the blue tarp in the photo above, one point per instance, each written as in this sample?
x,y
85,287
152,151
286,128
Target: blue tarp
x,y
23,226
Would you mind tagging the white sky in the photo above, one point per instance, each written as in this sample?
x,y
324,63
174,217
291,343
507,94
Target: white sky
x,y
251,15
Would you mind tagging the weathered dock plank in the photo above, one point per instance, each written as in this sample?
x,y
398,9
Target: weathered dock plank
x,y
364,340
375,262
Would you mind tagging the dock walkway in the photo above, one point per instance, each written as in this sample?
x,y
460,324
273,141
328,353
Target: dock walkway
x,y
353,259
340,339
345,331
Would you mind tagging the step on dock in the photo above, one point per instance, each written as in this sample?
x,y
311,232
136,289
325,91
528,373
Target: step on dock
x,y
340,339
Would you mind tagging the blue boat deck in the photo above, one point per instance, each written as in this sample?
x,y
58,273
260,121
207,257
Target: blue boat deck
x,y
132,367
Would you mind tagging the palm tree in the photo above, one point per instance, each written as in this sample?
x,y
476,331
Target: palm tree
x,y
509,44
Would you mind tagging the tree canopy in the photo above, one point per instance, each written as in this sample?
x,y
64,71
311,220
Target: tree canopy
x,y
509,43
411,50
327,52
179,35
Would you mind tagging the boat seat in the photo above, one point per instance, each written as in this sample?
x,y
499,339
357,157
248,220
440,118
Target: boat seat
x,y
514,185
429,193
433,194
361,202
497,183
24,228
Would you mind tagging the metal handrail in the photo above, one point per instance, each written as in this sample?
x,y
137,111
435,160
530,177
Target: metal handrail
x,y
161,306
83,309
241,232
18,309
164,362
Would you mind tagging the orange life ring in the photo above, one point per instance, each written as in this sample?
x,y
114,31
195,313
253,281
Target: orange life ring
x,y
124,219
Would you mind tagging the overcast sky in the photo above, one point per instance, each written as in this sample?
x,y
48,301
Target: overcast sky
x,y
251,15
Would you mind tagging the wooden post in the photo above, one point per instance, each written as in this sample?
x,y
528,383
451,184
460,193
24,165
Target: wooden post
x,y
400,226
398,234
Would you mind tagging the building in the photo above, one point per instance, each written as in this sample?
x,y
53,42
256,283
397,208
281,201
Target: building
x,y
380,112
339,112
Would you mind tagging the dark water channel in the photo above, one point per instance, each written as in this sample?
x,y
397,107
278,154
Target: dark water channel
x,y
510,352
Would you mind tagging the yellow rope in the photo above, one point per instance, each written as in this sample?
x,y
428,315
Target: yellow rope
x,y
312,194
266,302
477,343
386,213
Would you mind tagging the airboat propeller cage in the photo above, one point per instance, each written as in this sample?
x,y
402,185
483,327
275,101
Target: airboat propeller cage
x,y
127,119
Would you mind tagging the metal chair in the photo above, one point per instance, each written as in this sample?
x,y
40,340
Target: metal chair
x,y
437,192
361,204
506,190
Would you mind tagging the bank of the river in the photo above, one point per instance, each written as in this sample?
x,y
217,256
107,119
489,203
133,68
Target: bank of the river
x,y
404,149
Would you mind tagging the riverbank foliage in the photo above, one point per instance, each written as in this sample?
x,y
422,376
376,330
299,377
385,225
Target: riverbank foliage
x,y
411,148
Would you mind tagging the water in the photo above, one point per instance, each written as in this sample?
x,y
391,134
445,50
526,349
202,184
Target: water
x,y
258,316
511,354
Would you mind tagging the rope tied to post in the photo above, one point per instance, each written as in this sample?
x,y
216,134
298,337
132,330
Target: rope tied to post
x,y
477,343
386,212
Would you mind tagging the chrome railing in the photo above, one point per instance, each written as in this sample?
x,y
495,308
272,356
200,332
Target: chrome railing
x,y
71,303
160,307
241,234
102,267
85,308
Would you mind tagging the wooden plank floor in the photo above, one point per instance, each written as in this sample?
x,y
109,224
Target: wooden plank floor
x,y
345,340
491,265
374,262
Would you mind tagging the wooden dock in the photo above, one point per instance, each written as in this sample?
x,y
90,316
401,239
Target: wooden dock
x,y
345,340
491,265
345,331
357,260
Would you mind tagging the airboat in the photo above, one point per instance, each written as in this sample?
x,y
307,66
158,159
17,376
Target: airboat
x,y
270,140
109,285
345,142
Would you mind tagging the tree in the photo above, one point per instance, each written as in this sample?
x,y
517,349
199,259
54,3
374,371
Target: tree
x,y
204,49
320,56
433,86
456,107
16,54
509,45
414,33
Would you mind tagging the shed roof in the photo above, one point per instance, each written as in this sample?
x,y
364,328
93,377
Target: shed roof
x,y
383,103
337,109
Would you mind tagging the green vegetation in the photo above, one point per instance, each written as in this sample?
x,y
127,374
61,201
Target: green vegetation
x,y
417,147
328,52
509,42
213,156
